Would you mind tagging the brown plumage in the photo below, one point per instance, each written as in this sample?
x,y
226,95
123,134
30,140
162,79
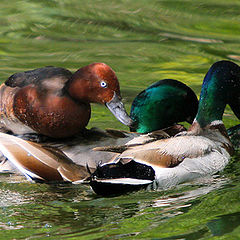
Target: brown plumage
x,y
40,163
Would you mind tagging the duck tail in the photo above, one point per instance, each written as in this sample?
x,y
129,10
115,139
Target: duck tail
x,y
6,100
119,178
232,130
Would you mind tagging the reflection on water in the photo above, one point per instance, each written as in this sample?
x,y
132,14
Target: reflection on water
x,y
209,183
143,41
75,211
10,198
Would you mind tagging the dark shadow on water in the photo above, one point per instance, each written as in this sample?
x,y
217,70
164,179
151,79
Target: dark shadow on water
x,y
191,236
224,224
218,227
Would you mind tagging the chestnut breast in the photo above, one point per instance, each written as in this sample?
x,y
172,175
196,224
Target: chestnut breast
x,y
51,114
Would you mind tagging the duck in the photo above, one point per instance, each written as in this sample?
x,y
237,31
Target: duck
x,y
77,150
204,149
53,102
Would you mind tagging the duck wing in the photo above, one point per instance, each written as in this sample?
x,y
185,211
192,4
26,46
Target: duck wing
x,y
39,76
168,152
136,141
40,163
144,139
23,94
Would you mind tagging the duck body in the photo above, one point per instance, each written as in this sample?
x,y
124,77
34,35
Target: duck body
x,y
202,159
80,148
54,102
164,163
204,149
34,106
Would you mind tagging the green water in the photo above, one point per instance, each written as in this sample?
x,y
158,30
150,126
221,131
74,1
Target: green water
x,y
143,41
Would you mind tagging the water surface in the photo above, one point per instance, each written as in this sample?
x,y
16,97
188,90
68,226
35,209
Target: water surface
x,y
143,41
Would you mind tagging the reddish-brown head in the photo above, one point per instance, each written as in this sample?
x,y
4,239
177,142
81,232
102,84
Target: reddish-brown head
x,y
96,82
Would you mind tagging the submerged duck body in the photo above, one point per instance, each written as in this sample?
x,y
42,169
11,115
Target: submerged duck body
x,y
54,102
79,148
204,149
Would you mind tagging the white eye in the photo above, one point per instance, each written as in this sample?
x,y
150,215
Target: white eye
x,y
103,84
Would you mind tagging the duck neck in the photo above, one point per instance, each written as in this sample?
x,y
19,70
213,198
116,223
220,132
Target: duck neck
x,y
219,86
80,87
212,102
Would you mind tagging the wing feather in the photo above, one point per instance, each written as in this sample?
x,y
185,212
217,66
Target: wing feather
x,y
39,162
169,152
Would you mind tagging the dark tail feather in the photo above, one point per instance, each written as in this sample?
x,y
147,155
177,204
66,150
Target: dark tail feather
x,y
234,134
118,178
233,130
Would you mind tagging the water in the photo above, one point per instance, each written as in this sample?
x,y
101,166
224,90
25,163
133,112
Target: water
x,y
143,41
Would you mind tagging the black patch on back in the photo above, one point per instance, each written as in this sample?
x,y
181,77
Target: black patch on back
x,y
36,76
129,170
118,170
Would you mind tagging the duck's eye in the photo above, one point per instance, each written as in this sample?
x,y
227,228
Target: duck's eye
x,y
103,84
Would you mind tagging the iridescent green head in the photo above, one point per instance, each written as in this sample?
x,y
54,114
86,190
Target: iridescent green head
x,y
221,86
163,104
